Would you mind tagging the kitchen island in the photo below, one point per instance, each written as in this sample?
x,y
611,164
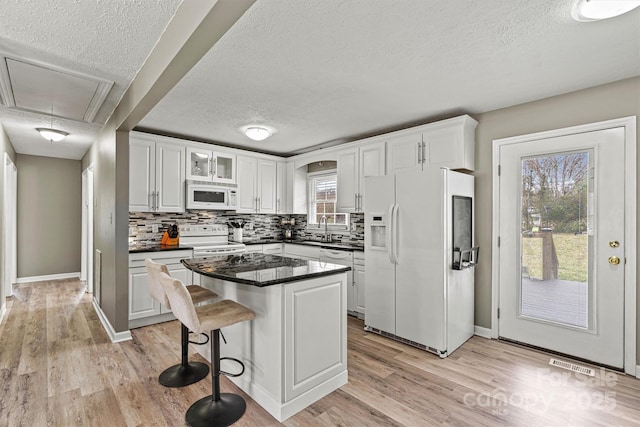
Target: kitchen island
x,y
295,350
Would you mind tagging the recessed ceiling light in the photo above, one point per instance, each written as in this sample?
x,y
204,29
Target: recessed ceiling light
x,y
257,133
594,10
52,135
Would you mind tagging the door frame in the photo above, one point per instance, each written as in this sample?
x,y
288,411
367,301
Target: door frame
x,y
86,265
630,180
9,226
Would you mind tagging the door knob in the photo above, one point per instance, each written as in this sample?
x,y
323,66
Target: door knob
x,y
614,260
614,243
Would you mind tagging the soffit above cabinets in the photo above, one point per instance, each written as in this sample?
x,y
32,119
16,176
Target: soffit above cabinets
x,y
50,90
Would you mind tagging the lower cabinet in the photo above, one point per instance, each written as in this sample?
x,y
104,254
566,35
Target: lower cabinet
x,y
272,248
267,248
358,282
143,309
302,251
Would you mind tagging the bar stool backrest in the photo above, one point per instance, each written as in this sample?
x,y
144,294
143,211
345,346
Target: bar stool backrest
x,y
155,287
181,303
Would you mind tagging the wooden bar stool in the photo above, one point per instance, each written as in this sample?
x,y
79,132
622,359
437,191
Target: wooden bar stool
x,y
186,372
219,409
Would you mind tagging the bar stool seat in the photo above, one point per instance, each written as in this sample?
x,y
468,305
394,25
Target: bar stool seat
x,y
218,409
184,373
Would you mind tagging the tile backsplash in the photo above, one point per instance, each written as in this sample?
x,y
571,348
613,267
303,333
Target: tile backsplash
x,y
141,225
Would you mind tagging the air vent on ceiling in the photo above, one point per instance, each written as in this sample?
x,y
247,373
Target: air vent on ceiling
x,y
40,88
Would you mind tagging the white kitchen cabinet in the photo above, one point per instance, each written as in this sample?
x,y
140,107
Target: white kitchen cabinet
x,y
302,251
404,153
353,165
448,143
210,166
272,248
143,309
358,282
284,188
156,176
254,249
256,185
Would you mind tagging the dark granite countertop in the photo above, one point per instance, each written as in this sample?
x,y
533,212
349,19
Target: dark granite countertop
x,y
156,247
261,269
261,241
340,246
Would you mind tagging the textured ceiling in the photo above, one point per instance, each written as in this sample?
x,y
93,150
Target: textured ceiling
x,y
320,72
106,39
329,71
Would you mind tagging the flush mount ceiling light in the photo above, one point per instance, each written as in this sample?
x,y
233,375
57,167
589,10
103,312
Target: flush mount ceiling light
x,y
594,10
257,133
52,135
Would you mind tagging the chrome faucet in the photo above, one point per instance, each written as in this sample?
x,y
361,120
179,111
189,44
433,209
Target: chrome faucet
x,y
326,231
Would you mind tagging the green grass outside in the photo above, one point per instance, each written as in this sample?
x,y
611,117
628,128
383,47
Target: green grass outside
x,y
572,256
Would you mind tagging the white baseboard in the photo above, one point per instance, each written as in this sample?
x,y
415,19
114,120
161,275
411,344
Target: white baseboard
x,y
3,311
638,372
48,277
482,332
113,335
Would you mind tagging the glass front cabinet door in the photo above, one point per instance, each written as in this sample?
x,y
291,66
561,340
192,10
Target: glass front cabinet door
x,y
203,165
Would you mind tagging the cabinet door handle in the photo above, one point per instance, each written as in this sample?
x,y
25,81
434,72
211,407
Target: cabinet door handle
x,y
211,166
360,207
424,157
278,205
419,152
157,200
152,200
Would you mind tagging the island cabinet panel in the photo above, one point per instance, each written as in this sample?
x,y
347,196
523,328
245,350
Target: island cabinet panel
x,y
313,349
295,350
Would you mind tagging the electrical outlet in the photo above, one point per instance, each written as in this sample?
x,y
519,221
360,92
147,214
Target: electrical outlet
x,y
154,228
250,226
130,231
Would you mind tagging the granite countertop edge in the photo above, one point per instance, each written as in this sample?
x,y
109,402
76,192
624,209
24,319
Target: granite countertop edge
x,y
156,247
279,281
338,246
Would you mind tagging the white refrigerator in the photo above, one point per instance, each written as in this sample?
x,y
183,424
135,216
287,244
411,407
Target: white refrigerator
x,y
414,294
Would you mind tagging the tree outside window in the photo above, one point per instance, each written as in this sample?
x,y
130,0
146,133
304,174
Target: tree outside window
x,y
323,193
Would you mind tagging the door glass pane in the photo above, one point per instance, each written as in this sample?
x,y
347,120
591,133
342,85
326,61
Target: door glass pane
x,y
199,164
555,238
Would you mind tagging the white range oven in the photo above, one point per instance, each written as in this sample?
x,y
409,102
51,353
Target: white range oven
x,y
209,240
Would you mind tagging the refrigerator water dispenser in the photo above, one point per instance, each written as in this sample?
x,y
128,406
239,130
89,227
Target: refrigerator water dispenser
x,y
378,230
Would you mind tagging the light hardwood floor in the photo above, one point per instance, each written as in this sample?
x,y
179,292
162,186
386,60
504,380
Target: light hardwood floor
x,y
58,367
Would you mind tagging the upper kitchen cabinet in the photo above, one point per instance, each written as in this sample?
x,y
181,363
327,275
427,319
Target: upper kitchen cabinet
x,y
448,143
353,165
256,185
284,188
156,176
213,166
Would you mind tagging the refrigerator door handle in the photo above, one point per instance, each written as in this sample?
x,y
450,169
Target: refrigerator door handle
x,y
389,235
395,234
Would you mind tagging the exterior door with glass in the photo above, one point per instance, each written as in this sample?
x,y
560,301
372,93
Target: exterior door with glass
x,y
562,248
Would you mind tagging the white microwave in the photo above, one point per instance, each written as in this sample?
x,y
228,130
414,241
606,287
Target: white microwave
x,y
202,195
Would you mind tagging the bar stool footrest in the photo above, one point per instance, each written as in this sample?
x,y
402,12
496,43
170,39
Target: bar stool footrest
x,y
233,359
206,339
209,412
